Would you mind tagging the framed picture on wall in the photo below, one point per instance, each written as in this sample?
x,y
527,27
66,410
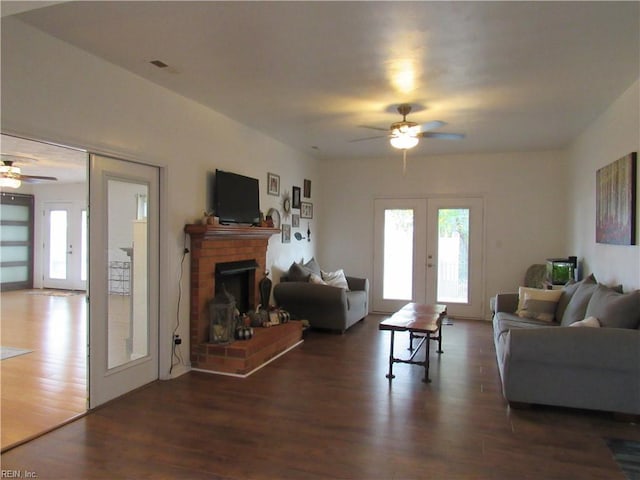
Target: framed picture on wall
x,y
296,197
295,220
273,184
307,188
616,202
286,233
306,210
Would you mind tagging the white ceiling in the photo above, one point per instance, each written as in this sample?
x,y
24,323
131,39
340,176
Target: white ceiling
x,y
511,76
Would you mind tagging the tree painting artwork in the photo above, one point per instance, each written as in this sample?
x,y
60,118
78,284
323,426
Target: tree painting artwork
x,y
616,189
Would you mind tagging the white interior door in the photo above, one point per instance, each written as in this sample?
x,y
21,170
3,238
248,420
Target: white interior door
x,y
455,239
124,272
429,251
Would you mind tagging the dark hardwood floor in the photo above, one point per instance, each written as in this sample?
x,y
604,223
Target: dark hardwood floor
x,y
325,410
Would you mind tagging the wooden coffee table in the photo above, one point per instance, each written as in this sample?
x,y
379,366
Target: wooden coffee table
x,y
421,321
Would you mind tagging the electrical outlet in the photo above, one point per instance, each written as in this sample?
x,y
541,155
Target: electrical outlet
x,y
177,340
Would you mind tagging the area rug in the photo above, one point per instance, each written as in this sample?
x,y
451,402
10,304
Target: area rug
x,y
8,352
55,293
627,454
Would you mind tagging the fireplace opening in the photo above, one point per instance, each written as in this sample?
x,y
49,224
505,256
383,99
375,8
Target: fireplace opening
x,y
238,278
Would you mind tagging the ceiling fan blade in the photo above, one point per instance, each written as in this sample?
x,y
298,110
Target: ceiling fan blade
x,y
374,128
431,125
36,178
367,138
442,135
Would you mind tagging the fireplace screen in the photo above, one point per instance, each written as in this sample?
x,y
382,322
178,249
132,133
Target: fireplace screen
x,y
222,317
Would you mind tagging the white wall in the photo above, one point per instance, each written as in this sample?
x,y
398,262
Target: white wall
x,y
612,135
525,198
53,91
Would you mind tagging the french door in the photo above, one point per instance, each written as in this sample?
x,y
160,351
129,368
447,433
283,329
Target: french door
x,y
123,273
429,251
65,246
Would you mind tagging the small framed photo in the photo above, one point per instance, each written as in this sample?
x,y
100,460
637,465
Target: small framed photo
x,y
286,233
306,210
307,188
295,220
296,197
273,184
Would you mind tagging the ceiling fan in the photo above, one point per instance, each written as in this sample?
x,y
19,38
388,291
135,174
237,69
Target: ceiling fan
x,y
405,135
11,176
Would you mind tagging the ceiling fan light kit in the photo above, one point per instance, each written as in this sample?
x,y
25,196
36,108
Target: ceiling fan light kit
x,y
10,176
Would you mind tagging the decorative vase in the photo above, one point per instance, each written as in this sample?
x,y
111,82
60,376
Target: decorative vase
x,y
265,290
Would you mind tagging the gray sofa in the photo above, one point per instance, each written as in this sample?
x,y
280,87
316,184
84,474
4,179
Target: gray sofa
x,y
324,306
552,363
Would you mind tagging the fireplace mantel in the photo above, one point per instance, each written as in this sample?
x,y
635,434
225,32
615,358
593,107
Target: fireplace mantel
x,y
229,231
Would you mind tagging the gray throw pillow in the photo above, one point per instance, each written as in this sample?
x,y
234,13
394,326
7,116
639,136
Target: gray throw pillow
x,y
567,293
297,273
613,309
313,267
577,306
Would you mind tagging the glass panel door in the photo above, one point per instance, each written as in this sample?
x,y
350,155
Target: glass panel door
x,y
16,241
123,277
454,255
399,259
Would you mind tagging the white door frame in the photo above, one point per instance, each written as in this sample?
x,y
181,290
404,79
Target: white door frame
x,y
107,383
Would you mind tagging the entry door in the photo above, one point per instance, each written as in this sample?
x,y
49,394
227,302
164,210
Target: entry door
x,y
429,251
123,273
65,231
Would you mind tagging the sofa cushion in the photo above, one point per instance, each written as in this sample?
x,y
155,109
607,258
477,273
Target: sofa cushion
x,y
313,267
336,279
537,303
567,293
298,273
577,308
587,322
313,278
613,309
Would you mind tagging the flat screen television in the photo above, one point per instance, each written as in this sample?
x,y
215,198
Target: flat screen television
x,y
236,198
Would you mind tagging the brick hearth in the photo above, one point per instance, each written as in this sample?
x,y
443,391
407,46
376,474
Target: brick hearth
x,y
212,244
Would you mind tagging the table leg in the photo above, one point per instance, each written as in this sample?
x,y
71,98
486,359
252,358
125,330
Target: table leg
x,y
390,375
426,363
440,337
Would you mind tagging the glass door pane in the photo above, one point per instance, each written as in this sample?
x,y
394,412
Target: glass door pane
x,y
58,239
127,306
398,254
453,255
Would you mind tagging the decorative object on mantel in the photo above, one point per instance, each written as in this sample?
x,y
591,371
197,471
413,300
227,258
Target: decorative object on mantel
x,y
306,210
273,184
274,215
616,202
295,203
307,188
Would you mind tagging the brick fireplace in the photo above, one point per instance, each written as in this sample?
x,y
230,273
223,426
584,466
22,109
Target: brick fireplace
x,y
223,244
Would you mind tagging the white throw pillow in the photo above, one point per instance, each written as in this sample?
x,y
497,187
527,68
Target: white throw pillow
x,y
538,303
336,279
313,278
587,322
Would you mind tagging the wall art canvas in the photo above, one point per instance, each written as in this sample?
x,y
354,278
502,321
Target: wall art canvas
x,y
616,201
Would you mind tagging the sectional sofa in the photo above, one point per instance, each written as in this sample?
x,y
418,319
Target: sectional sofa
x,y
577,347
